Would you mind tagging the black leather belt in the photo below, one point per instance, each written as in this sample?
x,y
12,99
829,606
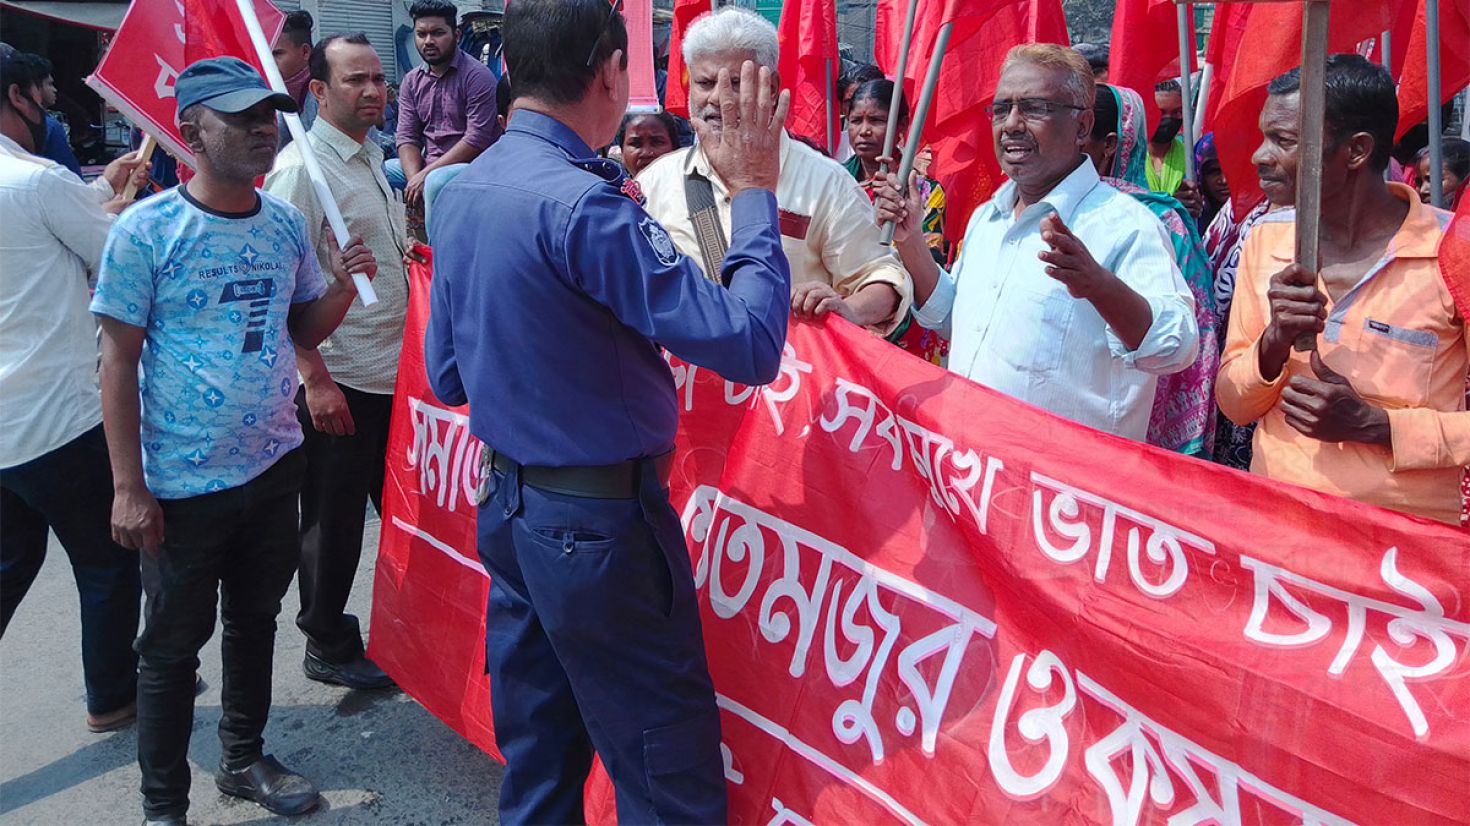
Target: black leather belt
x,y
618,481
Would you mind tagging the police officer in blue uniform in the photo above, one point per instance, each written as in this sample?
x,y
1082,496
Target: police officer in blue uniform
x,y
551,287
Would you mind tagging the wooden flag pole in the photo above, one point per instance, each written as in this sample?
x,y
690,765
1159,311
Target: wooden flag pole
x,y
916,124
1313,109
890,136
145,152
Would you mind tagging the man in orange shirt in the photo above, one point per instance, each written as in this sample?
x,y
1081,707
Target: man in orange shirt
x,y
1377,412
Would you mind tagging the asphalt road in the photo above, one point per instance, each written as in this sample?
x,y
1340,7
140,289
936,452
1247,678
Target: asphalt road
x,y
378,757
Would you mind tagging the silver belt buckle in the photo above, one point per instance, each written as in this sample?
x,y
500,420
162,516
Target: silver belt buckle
x,y
487,475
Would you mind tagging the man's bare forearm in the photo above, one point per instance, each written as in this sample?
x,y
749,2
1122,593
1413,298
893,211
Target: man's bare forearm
x,y
121,413
411,158
1126,312
874,304
312,322
919,261
462,152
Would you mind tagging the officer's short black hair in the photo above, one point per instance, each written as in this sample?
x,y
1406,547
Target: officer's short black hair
x,y
503,96
435,8
547,43
298,27
1170,85
17,69
1360,98
320,68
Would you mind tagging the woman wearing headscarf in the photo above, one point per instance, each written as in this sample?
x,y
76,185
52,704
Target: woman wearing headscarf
x,y
867,126
1214,189
1184,411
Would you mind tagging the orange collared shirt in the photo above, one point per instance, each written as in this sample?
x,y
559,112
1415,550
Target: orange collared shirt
x,y
1398,339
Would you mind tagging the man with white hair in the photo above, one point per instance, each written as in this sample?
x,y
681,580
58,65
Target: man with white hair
x,y
838,264
1066,294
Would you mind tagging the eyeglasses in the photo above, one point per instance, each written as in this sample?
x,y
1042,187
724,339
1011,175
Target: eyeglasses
x,y
1032,109
612,10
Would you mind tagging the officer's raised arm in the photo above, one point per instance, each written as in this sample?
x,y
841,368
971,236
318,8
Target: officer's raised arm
x,y
740,332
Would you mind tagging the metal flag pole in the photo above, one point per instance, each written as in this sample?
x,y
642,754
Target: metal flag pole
x,y
1436,114
1206,77
1186,49
298,133
1385,45
916,124
1313,96
830,114
890,136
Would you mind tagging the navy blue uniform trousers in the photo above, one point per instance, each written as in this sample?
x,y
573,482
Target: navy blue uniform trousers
x,y
69,491
593,641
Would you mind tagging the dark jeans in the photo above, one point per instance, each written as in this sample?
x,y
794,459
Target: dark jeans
x,y
342,474
69,491
593,642
241,545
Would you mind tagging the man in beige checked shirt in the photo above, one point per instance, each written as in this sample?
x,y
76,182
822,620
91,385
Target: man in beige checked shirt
x,y
346,396
827,229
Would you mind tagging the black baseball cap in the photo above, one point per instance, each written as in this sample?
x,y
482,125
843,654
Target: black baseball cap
x,y
226,84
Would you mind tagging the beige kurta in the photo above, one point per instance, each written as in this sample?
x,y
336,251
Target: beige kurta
x,y
827,223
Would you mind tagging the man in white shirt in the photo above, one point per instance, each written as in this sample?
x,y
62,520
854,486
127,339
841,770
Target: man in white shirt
x,y
1066,294
837,262
54,471
346,397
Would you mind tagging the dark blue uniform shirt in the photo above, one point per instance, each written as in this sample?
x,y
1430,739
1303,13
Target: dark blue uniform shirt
x,y
551,286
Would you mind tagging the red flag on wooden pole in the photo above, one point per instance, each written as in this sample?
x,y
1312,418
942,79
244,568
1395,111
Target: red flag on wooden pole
x,y
1264,42
156,40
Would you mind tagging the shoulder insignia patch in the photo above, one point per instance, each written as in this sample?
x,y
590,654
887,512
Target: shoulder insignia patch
x,y
633,190
658,238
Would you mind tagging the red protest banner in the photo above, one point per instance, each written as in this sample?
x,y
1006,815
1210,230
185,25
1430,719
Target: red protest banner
x,y
156,40
642,89
926,602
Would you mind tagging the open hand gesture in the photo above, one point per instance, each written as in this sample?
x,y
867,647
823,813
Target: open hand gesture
x,y
746,150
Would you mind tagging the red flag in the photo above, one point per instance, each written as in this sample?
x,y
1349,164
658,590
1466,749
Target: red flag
x,y
214,28
1454,62
1273,32
808,66
1403,26
676,85
957,128
156,40
1454,256
1145,49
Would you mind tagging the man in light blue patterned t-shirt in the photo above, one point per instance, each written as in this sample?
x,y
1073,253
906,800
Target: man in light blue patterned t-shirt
x,y
213,291
219,281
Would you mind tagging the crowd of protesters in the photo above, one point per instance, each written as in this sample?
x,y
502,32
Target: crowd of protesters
x,y
227,428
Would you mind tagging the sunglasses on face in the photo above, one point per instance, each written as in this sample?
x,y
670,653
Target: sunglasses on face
x,y
613,7
1032,109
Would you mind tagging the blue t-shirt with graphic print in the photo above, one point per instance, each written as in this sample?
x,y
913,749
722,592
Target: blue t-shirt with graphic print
x,y
218,372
